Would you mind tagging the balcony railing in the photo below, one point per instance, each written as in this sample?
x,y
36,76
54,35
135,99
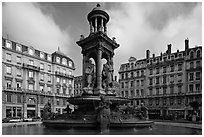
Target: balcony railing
x,y
32,67
63,75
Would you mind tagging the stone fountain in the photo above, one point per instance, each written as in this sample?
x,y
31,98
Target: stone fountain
x,y
98,106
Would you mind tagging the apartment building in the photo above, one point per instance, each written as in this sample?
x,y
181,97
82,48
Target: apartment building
x,y
166,83
31,77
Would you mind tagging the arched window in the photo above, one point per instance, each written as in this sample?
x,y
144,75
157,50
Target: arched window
x,y
191,55
58,59
198,53
64,61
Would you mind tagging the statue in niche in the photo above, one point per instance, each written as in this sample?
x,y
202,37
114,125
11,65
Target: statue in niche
x,y
107,75
89,74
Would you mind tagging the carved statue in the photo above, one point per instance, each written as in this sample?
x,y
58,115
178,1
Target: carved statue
x,y
89,74
107,75
144,111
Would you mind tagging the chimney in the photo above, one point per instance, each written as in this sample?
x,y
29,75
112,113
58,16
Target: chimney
x,y
147,54
161,54
153,55
186,44
177,51
169,49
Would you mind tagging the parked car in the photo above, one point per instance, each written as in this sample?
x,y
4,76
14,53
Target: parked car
x,y
13,119
27,119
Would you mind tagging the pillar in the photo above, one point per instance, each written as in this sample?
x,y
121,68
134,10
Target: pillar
x,y
105,29
83,71
91,27
24,106
95,29
102,25
98,75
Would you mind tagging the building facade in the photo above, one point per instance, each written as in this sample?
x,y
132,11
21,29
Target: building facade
x,y
78,86
166,83
31,77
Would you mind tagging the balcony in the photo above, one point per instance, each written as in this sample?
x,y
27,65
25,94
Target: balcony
x,y
63,75
32,67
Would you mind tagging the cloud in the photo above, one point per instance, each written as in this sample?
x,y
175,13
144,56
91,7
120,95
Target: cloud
x,y
26,23
141,26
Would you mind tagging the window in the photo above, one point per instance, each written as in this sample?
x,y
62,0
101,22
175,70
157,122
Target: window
x,y
172,57
8,57
138,93
64,61
150,91
191,65
191,88
30,86
179,78
64,91
49,89
8,84
132,93
58,90
58,59
157,70
30,74
19,98
30,52
172,90
122,85
142,72
41,88
41,66
41,100
198,64
18,85
142,82
8,44
171,101
197,75
164,90
8,97
49,68
150,102
70,82
64,71
131,83
58,80
138,73
138,83
49,78
132,74
18,60
8,70
31,62
122,76
172,79
179,67
70,63
157,91
150,81
70,72
197,87
58,101
179,89
157,80
191,75
41,55
64,81
164,69
157,102
18,47
179,101
172,68
49,57
191,55
126,84
126,94
142,92
164,101
198,54
150,71
164,79
41,77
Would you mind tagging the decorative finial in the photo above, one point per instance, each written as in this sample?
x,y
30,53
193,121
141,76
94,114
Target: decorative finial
x,y
58,48
98,5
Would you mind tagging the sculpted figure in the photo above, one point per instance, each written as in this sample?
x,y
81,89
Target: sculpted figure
x,y
108,74
47,110
89,73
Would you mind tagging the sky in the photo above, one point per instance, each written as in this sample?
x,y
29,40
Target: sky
x,y
137,27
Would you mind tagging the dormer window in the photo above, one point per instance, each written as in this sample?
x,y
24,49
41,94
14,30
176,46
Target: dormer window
x,y
41,55
70,64
58,59
8,44
180,55
64,61
18,47
30,52
49,57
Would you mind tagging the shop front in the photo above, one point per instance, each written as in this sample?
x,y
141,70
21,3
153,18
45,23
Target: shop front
x,y
13,111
